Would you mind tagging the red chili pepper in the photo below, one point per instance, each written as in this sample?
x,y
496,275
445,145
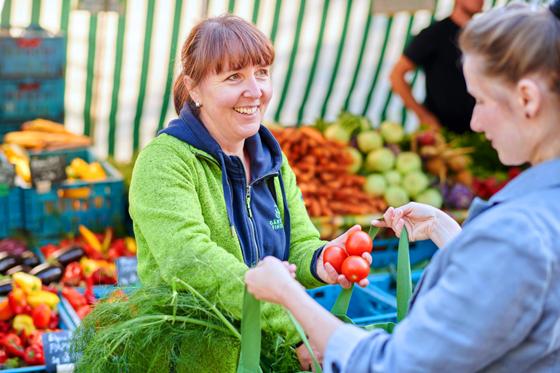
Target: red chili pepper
x,y
72,274
17,301
73,296
34,355
12,344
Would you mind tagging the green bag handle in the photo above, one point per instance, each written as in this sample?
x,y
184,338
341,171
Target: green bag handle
x,y
250,354
404,284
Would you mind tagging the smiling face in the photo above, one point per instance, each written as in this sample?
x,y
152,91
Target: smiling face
x,y
234,102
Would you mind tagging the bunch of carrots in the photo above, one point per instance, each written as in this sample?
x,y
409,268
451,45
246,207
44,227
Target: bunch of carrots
x,y
321,168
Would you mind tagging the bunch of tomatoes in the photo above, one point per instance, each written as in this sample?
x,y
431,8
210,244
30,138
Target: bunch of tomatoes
x,y
348,260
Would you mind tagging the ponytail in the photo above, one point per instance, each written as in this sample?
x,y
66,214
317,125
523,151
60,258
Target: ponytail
x,y
180,93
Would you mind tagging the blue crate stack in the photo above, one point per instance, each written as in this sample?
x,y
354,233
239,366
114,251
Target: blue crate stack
x,y
31,76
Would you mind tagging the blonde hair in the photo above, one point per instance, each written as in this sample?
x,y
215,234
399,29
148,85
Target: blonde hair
x,y
216,44
515,41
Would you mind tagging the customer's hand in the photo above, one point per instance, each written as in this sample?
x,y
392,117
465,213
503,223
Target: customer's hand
x,y
328,274
270,279
422,222
305,359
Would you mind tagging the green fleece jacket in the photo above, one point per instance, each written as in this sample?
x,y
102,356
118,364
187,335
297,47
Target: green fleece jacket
x,y
182,230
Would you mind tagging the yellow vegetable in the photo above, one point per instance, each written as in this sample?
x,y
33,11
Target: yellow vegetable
x,y
42,297
27,282
90,238
130,244
23,323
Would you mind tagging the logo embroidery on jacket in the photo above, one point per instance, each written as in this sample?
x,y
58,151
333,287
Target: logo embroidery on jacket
x,y
276,224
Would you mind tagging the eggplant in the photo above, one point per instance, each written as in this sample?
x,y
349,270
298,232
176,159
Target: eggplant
x,y
5,286
18,268
68,255
7,261
29,259
47,272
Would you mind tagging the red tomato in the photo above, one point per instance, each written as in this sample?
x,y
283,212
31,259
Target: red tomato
x,y
355,268
334,255
358,243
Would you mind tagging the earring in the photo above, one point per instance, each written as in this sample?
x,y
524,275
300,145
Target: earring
x,y
197,104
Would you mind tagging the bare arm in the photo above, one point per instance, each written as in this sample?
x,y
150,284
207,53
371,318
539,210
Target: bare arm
x,y
404,90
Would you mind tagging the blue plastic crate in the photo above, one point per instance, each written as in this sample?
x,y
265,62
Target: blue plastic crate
x,y
386,283
65,323
11,212
31,98
367,306
50,214
31,52
385,252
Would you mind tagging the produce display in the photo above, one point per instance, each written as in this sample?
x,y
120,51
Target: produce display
x,y
78,169
41,134
322,171
90,256
28,311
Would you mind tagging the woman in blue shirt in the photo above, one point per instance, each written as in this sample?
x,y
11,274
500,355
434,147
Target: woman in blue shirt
x,y
490,299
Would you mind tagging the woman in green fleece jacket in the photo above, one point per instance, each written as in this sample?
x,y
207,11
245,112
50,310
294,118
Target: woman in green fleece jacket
x,y
212,194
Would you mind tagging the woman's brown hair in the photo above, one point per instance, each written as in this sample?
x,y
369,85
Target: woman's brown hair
x,y
515,41
218,44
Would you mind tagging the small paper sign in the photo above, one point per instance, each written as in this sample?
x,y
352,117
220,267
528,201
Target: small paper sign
x,y
57,347
48,170
127,271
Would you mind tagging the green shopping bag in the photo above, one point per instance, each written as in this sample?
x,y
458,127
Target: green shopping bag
x,y
249,357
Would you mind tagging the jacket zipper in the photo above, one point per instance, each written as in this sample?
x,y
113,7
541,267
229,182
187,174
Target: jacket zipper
x,y
252,223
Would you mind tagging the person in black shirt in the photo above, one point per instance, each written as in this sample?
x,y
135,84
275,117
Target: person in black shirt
x,y
435,50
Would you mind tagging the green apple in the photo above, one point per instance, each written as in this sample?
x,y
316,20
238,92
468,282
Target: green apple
x,y
375,185
369,140
380,160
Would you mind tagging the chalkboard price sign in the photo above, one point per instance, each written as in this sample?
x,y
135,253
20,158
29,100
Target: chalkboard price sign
x,y
51,169
127,271
57,347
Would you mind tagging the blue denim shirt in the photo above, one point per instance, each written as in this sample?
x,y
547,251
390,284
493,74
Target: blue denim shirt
x,y
489,300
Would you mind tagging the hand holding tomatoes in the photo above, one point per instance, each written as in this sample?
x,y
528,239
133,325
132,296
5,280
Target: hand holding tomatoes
x,y
330,266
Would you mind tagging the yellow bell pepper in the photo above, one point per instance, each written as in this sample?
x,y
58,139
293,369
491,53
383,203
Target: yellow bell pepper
x,y
23,323
88,266
43,297
95,172
130,244
90,238
27,282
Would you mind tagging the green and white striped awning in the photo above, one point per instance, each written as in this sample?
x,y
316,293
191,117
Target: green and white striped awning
x,y
331,56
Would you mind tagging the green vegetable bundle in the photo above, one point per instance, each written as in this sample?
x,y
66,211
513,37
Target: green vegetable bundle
x,y
160,329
